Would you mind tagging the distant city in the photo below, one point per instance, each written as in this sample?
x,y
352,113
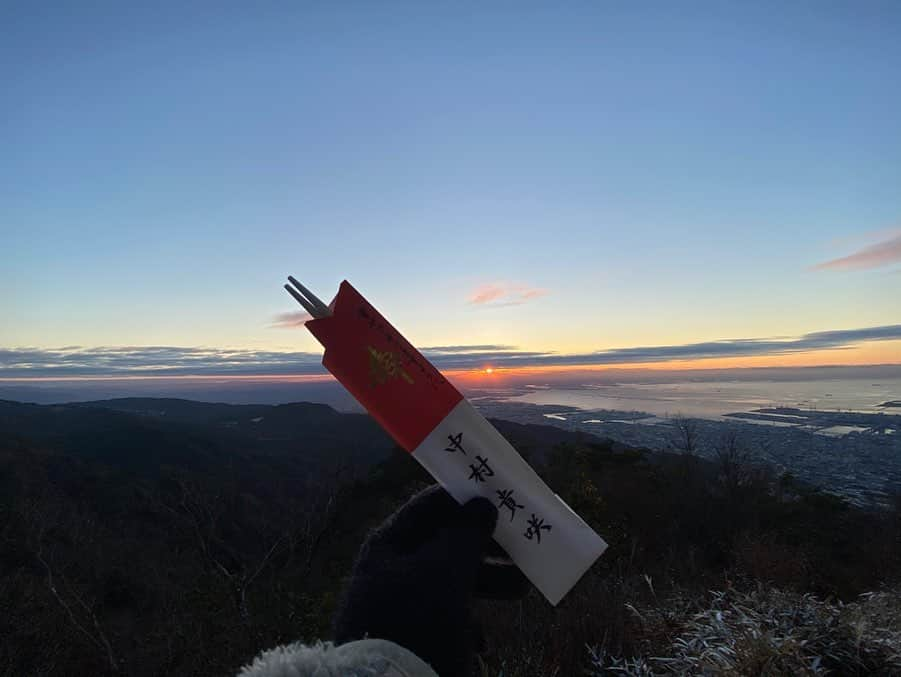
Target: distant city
x,y
856,455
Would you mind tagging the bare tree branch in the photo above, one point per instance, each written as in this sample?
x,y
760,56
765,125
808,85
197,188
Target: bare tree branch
x,y
98,638
686,434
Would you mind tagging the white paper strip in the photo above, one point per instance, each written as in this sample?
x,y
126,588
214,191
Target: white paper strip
x,y
550,543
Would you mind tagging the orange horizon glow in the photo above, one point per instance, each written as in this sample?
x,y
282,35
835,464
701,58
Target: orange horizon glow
x,y
876,353
483,375
867,355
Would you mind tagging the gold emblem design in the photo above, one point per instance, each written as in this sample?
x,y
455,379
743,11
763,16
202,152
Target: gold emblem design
x,y
384,365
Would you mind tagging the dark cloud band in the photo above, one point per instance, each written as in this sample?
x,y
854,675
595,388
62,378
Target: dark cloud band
x,y
174,361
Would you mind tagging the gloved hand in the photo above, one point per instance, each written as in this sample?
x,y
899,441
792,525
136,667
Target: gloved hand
x,y
416,575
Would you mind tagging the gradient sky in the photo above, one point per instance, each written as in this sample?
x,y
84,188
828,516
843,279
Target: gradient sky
x,y
566,178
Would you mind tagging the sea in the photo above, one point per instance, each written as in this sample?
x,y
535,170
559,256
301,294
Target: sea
x,y
715,399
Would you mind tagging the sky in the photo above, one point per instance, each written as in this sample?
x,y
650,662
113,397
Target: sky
x,y
519,184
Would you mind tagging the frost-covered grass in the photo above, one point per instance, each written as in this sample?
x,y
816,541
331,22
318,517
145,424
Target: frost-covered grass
x,y
767,631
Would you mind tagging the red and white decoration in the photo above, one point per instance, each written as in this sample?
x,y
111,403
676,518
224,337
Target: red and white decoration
x,y
429,418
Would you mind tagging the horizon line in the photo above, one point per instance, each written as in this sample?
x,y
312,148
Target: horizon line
x,y
497,371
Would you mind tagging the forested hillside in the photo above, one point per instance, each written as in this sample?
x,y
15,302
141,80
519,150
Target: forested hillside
x,y
151,537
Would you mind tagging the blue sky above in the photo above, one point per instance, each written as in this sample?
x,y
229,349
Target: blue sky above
x,y
611,176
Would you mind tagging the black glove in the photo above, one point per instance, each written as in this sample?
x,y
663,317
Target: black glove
x,y
416,575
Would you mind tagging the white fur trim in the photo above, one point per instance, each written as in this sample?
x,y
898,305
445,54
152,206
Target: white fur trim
x,y
364,658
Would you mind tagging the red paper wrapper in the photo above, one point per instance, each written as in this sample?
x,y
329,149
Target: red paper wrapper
x,y
397,385
429,418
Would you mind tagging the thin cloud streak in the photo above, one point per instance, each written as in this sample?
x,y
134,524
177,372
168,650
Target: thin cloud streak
x,y
176,361
496,295
439,350
877,255
291,320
